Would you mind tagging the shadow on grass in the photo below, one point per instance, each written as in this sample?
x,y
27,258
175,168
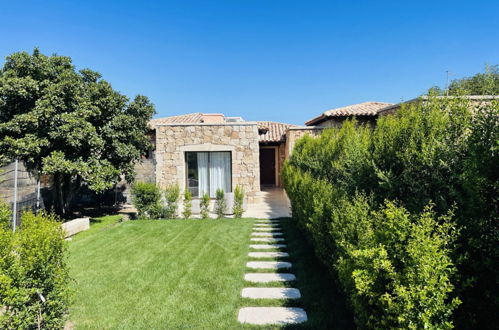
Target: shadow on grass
x,y
320,297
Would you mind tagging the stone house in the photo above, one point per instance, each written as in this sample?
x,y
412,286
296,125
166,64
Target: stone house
x,y
205,152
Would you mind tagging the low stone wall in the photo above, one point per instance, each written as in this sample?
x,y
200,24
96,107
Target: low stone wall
x,y
75,226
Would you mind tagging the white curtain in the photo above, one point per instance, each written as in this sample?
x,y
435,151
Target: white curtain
x,y
219,172
203,176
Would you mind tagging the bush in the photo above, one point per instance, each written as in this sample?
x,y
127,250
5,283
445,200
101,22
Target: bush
x,y
237,208
32,266
431,159
220,203
205,206
147,199
187,211
5,215
172,196
397,274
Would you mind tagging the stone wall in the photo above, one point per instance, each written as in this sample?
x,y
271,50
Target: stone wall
x,y
241,139
280,163
294,133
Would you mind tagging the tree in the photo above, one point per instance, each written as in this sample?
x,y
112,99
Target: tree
x,y
69,124
480,84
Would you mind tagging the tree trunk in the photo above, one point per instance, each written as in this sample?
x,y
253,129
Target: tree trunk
x,y
65,187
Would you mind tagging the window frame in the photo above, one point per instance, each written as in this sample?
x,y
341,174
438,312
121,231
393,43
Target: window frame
x,y
186,165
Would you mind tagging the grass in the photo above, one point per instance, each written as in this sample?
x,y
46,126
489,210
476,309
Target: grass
x,y
184,274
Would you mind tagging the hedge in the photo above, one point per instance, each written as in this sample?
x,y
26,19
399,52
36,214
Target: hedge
x,y
404,214
34,279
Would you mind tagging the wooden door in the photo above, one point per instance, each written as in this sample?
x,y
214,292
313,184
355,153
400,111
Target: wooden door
x,y
267,167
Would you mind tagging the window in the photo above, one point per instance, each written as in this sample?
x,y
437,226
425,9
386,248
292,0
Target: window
x,y
207,172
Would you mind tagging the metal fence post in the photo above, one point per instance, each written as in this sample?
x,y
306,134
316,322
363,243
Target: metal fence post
x,y
14,208
38,195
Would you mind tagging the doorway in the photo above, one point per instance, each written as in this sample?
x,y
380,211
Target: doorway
x,y
268,166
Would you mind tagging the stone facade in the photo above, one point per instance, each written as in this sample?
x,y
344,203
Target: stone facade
x,y
241,139
294,133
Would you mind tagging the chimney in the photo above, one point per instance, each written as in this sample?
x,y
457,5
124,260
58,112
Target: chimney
x,y
213,118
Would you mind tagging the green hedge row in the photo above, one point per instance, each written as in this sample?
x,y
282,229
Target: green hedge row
x,y
405,214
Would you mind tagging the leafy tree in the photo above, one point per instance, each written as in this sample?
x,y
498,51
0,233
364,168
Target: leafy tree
x,y
486,83
69,124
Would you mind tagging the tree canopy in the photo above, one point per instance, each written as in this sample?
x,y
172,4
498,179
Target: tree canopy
x,y
486,83
69,124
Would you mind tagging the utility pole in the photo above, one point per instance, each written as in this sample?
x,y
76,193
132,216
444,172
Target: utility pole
x,y
447,82
14,208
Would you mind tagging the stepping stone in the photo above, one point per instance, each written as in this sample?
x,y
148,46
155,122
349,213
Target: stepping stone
x,y
271,293
265,229
269,277
268,264
272,315
267,239
268,254
267,234
267,246
265,226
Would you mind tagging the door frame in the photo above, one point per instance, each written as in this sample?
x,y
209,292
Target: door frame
x,y
276,155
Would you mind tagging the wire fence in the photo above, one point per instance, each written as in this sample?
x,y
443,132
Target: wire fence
x,y
19,190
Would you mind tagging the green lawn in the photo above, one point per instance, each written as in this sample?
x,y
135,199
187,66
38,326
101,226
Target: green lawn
x,y
184,274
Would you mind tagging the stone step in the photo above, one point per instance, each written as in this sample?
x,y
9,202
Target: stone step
x,y
277,233
266,229
267,239
268,254
267,246
272,315
271,293
264,225
268,264
269,277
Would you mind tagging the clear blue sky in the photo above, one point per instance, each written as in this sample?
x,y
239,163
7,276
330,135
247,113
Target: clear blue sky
x,y
263,60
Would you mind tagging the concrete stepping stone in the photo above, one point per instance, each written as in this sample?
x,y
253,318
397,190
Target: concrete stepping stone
x,y
269,277
268,254
277,233
268,264
267,246
272,315
266,229
257,225
267,239
271,293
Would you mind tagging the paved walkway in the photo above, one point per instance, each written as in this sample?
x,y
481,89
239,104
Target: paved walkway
x,y
269,203
269,315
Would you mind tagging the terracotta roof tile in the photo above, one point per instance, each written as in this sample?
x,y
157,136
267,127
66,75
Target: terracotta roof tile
x,y
190,118
360,109
271,131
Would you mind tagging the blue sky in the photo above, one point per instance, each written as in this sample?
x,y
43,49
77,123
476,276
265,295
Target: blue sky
x,y
263,60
